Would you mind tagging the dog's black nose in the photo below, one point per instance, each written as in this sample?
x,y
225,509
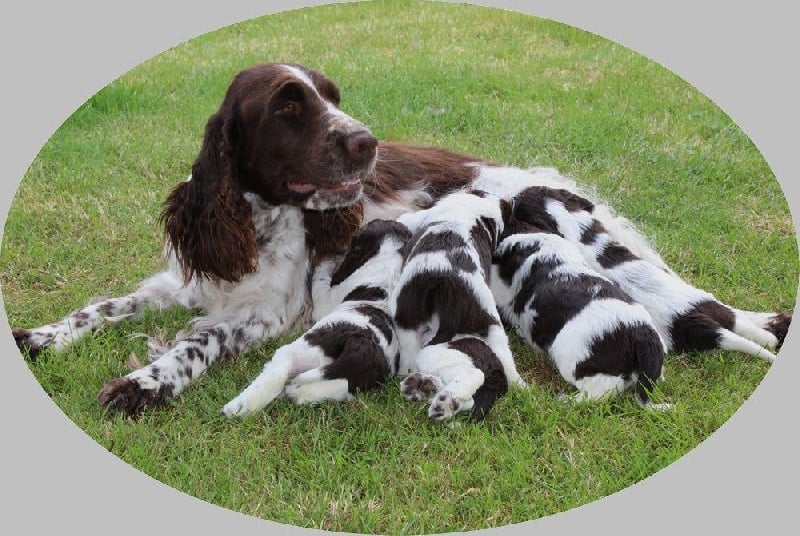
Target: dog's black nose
x,y
361,146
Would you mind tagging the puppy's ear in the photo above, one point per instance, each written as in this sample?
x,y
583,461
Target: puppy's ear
x,y
479,193
507,210
573,202
207,221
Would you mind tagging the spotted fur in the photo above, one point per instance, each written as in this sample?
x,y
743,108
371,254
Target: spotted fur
x,y
353,346
443,296
687,318
598,339
282,181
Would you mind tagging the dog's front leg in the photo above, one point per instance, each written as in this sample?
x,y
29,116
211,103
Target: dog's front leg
x,y
160,291
184,360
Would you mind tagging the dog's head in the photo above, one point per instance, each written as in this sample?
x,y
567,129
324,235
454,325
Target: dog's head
x,y
280,135
376,236
530,206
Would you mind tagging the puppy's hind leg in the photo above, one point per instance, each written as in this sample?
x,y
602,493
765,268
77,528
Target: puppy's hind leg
x,y
729,340
776,324
311,387
748,329
360,366
409,345
497,340
287,362
460,378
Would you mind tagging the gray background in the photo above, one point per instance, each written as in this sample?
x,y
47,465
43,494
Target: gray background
x,y
56,55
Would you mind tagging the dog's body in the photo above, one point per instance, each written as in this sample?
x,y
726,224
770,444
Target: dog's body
x,y
352,347
447,323
283,179
600,341
687,318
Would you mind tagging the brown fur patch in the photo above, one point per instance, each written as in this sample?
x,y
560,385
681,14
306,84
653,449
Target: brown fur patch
x,y
328,232
407,167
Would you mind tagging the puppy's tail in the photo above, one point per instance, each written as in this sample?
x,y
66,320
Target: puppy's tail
x,y
650,352
361,361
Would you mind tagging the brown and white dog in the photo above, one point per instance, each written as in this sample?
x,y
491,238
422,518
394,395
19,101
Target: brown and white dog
x,y
687,318
453,345
283,179
352,346
596,336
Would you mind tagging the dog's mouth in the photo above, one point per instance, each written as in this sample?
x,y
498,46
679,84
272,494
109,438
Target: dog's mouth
x,y
350,184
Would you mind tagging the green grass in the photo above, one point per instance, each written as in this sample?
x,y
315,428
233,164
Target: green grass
x,y
505,86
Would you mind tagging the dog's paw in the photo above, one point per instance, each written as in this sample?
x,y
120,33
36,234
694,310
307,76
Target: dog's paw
x,y
237,408
130,397
419,387
318,392
26,344
778,325
295,393
445,406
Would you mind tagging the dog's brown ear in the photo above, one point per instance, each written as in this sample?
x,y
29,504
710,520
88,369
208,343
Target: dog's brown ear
x,y
573,202
207,221
507,210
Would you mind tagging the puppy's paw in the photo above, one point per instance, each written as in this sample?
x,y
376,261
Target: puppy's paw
x,y
237,407
419,387
445,406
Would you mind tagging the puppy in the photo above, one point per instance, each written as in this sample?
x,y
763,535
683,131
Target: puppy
x,y
687,318
452,343
352,346
598,339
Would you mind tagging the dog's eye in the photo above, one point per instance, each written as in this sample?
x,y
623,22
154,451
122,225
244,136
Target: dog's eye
x,y
289,108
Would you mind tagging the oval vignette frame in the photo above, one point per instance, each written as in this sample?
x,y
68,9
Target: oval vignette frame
x,y
746,433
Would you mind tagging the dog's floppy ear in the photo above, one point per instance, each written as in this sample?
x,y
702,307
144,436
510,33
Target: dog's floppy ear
x,y
507,210
573,202
207,220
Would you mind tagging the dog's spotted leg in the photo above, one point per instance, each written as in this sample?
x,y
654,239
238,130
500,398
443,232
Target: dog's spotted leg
x,y
184,360
76,325
160,291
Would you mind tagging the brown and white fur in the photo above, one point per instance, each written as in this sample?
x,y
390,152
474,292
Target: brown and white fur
x,y
282,180
687,318
452,341
599,340
352,347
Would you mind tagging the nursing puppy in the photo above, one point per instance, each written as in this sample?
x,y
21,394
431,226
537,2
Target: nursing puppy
x,y
352,346
598,339
687,318
452,343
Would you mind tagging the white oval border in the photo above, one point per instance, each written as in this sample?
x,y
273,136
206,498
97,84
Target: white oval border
x,y
56,55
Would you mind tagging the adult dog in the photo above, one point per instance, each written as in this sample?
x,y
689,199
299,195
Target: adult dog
x,y
283,179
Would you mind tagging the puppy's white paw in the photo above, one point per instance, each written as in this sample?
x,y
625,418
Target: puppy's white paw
x,y
319,391
299,394
236,408
419,387
445,406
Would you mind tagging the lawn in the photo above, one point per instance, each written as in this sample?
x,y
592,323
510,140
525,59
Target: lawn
x,y
508,87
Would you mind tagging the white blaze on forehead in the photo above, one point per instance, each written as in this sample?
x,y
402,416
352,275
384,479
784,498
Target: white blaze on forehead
x,y
337,119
